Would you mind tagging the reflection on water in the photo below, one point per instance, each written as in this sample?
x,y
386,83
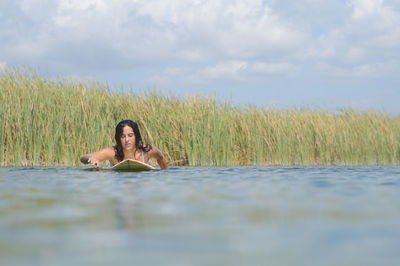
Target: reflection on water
x,y
201,216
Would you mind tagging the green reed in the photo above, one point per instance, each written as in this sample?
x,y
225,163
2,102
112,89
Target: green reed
x,y
54,121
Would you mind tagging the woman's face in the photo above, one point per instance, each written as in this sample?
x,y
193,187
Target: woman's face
x,y
127,138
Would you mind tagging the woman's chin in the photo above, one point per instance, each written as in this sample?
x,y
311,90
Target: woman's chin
x,y
128,147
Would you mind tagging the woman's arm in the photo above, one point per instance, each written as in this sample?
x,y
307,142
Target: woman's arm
x,y
157,154
95,158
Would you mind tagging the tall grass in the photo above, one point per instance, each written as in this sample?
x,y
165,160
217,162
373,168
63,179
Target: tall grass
x,y
54,121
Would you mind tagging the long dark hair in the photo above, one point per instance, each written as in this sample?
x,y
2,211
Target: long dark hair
x,y
119,154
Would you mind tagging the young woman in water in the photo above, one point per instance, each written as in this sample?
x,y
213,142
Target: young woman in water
x,y
129,146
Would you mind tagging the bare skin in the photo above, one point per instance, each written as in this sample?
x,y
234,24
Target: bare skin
x,y
129,149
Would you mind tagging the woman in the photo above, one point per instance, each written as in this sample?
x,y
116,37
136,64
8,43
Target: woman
x,y
129,146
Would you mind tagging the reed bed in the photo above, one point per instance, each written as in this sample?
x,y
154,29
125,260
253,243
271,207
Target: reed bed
x,y
54,121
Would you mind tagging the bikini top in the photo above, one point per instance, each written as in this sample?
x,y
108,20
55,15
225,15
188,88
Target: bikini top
x,y
148,162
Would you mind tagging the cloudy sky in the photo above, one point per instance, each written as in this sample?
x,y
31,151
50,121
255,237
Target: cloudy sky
x,y
325,53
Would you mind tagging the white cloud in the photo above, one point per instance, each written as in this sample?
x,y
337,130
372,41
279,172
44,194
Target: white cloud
x,y
222,70
369,71
375,21
228,28
37,10
227,70
364,8
173,71
361,44
355,54
357,71
77,13
324,47
254,29
36,46
168,75
204,41
272,68
193,55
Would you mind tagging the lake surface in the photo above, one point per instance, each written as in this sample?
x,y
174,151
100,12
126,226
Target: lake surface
x,y
201,216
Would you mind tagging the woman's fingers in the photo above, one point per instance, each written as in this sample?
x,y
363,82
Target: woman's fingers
x,y
94,161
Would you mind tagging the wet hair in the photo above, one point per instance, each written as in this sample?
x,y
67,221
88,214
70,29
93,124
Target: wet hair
x,y
119,153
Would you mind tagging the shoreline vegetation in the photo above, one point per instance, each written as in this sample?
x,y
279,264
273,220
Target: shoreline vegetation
x,y
52,122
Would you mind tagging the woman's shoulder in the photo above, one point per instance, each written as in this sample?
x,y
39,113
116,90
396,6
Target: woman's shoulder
x,y
111,152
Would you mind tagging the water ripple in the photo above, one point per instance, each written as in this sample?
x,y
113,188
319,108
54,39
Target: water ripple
x,y
201,215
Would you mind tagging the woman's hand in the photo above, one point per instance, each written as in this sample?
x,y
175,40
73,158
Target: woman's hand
x,y
90,158
94,161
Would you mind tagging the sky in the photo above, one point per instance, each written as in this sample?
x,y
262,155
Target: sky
x,y
296,53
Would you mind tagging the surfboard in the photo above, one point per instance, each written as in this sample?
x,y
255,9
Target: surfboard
x,y
132,166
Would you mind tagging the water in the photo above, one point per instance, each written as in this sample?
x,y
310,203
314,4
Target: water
x,y
201,216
